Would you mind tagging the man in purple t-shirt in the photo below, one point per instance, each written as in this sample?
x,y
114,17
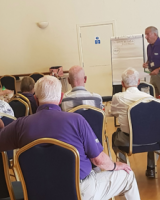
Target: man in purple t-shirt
x,y
49,121
153,54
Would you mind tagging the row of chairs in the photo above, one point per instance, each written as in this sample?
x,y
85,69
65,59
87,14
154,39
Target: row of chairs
x,y
144,129
36,170
9,82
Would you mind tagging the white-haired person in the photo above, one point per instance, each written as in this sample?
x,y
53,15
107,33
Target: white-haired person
x,y
79,95
153,54
117,178
119,108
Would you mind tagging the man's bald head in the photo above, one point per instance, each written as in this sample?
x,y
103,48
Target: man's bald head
x,y
76,76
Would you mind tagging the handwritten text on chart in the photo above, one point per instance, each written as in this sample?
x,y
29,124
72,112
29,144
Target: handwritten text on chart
x,y
124,42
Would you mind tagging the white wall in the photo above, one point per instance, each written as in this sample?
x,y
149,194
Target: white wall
x,y
25,48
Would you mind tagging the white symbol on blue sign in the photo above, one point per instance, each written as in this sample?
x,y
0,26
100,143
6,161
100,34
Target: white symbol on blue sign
x,y
97,40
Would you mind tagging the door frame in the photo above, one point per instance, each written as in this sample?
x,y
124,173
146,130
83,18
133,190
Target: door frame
x,y
79,38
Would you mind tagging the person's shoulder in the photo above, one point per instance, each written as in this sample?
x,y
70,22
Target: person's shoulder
x,y
96,95
118,94
67,94
72,116
4,104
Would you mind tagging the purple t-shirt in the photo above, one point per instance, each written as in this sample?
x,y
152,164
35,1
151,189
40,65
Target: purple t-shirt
x,y
32,101
50,122
153,53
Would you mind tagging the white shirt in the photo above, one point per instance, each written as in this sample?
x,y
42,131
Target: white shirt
x,y
6,108
121,102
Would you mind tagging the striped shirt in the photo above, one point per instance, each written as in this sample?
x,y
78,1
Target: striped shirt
x,y
80,96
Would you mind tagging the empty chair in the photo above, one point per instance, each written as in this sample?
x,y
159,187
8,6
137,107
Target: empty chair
x,y
49,169
36,76
8,190
19,107
9,82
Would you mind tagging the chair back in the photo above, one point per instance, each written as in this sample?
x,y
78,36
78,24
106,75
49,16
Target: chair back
x,y
144,125
6,190
19,107
94,116
7,119
83,101
147,87
21,96
49,169
9,82
36,76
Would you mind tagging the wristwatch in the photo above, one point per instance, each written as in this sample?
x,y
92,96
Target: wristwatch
x,y
113,168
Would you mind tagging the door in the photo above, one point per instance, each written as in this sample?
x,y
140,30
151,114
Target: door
x,y
96,57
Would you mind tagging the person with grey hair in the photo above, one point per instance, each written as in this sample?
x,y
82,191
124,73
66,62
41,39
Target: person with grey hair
x,y
153,54
119,108
79,95
50,122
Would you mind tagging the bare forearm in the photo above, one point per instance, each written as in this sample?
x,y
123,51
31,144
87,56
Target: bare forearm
x,y
103,161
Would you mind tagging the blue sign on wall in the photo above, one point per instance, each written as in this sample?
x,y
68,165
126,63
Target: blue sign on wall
x,y
97,40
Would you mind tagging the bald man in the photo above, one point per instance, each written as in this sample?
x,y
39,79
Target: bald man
x,y
79,95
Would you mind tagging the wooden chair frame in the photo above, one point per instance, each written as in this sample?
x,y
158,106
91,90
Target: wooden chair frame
x,y
14,82
36,73
7,176
149,84
21,96
23,102
144,100
104,121
50,141
103,129
12,162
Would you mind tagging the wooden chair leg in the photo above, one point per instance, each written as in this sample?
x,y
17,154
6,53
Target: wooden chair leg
x,y
108,147
121,160
117,157
155,161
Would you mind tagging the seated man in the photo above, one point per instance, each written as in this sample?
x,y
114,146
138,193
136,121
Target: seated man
x,y
119,108
79,95
27,89
74,130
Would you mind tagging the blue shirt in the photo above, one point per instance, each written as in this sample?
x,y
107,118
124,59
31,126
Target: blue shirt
x,y
153,53
50,122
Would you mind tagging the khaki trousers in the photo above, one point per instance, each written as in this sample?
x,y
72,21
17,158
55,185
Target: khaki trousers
x,y
104,185
155,81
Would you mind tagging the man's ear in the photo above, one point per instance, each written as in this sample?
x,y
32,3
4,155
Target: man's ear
x,y
123,85
36,100
85,79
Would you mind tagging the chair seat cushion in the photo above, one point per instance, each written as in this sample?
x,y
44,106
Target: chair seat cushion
x,y
141,149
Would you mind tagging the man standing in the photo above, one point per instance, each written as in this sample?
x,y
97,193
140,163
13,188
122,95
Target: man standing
x,y
50,122
79,95
153,54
